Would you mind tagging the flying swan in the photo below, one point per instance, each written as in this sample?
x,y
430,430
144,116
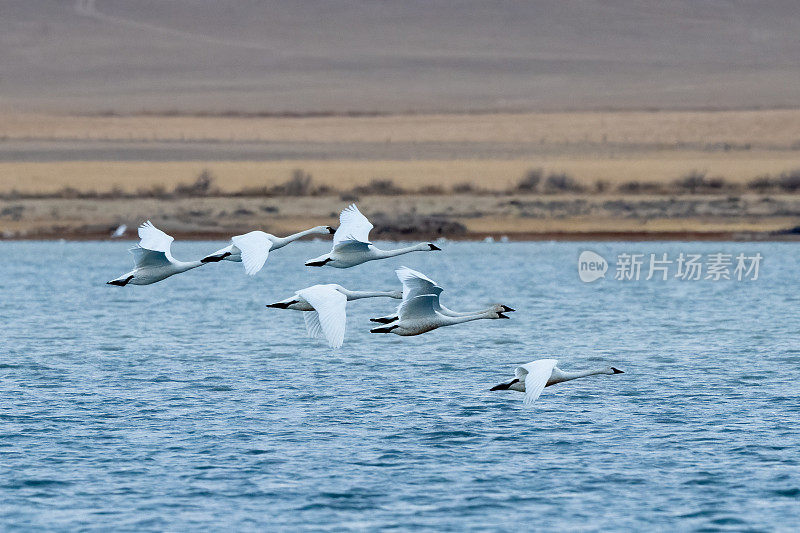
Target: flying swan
x,y
325,307
351,244
252,249
419,315
533,377
152,259
416,284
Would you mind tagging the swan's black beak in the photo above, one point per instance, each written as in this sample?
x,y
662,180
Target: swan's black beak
x,y
330,230
434,247
617,370
507,309
501,315
279,305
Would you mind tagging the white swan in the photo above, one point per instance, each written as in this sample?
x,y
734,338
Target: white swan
x,y
533,377
419,315
252,249
351,244
416,284
119,232
152,258
325,305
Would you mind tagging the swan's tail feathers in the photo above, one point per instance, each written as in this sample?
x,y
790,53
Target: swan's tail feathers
x,y
120,282
504,386
384,329
215,258
317,263
384,319
282,305
617,370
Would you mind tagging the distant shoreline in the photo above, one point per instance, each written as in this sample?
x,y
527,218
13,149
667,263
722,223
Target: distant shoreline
x,y
683,236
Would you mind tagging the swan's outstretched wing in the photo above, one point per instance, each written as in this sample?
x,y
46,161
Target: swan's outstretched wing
x,y
416,283
423,306
353,226
331,306
350,246
152,238
255,247
313,327
535,374
143,257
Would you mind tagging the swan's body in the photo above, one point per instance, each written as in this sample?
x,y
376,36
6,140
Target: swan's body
x,y
419,315
252,249
351,244
326,305
533,377
417,284
152,258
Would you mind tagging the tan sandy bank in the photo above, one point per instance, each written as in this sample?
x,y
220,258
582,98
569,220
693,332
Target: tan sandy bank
x,y
231,176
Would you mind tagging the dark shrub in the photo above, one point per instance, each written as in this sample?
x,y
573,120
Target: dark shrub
x,y
790,181
298,185
760,184
379,187
464,187
561,182
530,181
200,187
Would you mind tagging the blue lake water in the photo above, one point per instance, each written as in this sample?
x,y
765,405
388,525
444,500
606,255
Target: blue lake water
x,y
187,404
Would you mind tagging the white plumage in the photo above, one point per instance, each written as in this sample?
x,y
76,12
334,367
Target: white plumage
x,y
329,317
351,244
252,249
417,284
531,378
153,260
325,309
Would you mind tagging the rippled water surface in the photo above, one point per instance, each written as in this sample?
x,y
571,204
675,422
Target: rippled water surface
x,y
187,404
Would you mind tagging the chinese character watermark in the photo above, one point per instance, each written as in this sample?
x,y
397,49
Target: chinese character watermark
x,y
683,267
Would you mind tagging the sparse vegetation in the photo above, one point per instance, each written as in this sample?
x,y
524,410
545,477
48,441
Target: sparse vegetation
x,y
464,187
535,181
300,184
530,181
202,186
562,183
384,187
639,187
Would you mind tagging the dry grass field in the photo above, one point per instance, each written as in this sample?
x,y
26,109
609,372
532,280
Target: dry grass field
x,y
53,167
489,151
492,175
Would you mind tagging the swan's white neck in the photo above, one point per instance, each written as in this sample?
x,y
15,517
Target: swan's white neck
x,y
280,242
183,266
357,295
569,376
448,320
449,312
421,247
